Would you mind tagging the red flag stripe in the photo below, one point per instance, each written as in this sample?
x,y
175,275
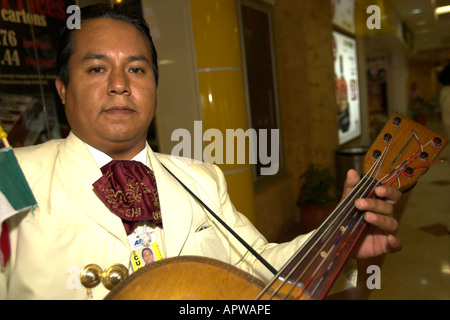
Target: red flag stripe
x,y
5,245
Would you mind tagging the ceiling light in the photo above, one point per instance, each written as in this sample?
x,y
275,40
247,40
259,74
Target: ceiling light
x,y
445,267
166,61
416,11
442,10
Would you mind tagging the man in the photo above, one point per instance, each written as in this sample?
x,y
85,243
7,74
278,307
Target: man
x,y
107,82
147,255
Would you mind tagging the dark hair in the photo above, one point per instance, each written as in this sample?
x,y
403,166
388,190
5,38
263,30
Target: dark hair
x,y
102,11
444,76
146,249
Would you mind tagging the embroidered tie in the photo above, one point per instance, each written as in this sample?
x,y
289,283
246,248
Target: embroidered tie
x,y
128,189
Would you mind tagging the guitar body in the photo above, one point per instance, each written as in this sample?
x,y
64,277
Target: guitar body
x,y
188,278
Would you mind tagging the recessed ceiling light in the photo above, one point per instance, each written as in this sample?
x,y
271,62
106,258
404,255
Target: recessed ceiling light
x,y
416,11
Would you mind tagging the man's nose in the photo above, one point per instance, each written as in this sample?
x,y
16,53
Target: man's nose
x,y
118,83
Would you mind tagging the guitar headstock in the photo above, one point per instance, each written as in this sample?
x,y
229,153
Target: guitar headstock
x,y
402,152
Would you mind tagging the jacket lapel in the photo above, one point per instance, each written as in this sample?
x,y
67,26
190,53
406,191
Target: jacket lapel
x,y
81,171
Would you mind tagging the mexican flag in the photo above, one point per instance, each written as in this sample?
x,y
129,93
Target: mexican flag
x,y
15,197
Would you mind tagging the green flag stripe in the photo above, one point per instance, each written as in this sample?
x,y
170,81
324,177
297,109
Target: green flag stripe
x,y
13,183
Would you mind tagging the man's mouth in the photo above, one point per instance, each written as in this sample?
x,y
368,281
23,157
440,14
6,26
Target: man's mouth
x,y
119,111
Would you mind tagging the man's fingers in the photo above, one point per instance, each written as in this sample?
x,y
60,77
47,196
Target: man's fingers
x,y
385,223
389,193
394,243
375,205
351,181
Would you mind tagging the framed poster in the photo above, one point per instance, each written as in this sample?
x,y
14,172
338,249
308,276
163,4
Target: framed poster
x,y
30,31
347,86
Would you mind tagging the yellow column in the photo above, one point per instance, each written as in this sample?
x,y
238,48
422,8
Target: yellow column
x,y
222,89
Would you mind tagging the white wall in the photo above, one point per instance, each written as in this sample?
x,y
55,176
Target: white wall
x,y
178,105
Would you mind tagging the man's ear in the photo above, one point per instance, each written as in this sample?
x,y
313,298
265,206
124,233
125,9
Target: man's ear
x,y
61,88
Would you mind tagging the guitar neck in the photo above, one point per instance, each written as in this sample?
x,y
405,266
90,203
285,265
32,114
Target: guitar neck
x,y
310,273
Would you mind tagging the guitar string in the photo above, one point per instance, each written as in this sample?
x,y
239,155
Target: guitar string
x,y
332,216
426,164
358,224
378,164
417,137
338,226
334,246
395,174
361,218
399,170
404,163
288,276
302,259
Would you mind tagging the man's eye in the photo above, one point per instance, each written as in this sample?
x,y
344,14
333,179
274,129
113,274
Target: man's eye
x,y
137,70
96,69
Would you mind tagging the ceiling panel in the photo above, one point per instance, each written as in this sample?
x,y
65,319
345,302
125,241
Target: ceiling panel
x,y
430,31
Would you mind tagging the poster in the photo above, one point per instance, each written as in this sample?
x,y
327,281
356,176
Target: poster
x,y
30,33
343,14
347,87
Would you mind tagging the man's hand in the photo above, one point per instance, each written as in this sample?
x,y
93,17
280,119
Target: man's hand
x,y
380,237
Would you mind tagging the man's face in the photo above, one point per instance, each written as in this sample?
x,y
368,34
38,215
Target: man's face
x,y
148,256
110,98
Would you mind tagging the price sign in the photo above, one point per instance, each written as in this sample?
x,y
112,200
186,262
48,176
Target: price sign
x,y
8,39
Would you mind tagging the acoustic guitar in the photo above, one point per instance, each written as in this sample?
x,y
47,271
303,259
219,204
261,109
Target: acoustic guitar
x,y
402,152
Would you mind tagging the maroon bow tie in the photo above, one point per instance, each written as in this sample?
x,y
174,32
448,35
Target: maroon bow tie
x,y
128,189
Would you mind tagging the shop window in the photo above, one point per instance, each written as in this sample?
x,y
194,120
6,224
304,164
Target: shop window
x,y
260,73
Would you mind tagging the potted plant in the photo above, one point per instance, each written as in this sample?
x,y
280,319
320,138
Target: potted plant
x,y
318,196
420,109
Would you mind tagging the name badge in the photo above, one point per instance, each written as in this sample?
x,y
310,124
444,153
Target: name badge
x,y
144,248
